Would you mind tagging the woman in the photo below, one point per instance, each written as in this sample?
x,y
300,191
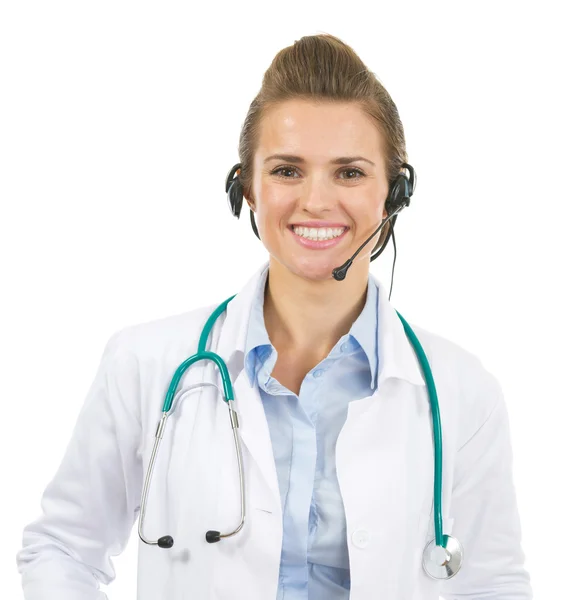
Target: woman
x,y
334,413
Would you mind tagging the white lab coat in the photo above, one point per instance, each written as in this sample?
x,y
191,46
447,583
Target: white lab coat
x,y
384,459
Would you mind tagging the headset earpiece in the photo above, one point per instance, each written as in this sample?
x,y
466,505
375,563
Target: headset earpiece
x,y
234,191
401,190
400,193
235,194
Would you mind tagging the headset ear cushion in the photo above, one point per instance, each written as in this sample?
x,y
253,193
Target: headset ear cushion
x,y
397,193
234,191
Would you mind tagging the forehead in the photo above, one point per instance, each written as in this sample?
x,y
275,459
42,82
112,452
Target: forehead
x,y
319,131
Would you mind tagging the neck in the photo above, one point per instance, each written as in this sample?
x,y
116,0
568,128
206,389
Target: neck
x,y
311,316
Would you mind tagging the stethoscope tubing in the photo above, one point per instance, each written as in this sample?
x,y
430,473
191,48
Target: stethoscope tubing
x,y
158,437
444,567
440,539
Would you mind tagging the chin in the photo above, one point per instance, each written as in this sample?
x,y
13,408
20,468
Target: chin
x,y
313,269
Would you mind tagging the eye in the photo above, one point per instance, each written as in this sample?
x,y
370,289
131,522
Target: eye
x,y
277,171
360,174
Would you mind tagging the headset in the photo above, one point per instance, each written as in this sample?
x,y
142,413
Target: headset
x,y
399,196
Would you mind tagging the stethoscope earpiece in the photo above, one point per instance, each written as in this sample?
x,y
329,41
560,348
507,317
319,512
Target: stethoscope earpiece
x,y
166,542
213,536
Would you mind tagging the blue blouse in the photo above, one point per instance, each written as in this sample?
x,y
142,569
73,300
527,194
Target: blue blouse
x,y
304,430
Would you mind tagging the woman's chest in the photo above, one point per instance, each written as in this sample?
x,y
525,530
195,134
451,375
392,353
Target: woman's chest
x,y
292,367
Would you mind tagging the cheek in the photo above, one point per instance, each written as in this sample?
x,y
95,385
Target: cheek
x,y
275,206
365,209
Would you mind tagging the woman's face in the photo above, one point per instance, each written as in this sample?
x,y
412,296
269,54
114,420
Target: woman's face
x,y
324,195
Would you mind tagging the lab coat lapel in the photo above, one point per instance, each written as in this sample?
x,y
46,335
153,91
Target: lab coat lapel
x,y
253,426
384,458
397,359
254,432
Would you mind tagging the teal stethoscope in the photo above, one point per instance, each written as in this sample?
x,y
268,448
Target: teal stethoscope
x,y
442,557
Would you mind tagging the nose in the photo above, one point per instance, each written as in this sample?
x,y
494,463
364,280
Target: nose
x,y
317,196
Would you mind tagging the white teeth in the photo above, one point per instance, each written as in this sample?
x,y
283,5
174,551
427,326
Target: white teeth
x,y
319,233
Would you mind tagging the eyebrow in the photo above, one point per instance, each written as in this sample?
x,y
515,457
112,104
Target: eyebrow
x,y
342,160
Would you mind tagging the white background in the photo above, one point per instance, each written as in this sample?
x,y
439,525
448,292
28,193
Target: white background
x,y
118,123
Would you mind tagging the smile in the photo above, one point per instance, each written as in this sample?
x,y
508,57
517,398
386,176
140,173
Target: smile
x,y
318,238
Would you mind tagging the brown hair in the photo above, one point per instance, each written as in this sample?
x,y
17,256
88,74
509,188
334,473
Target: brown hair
x,y
323,68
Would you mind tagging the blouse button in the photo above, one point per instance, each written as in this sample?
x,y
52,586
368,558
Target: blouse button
x,y
318,373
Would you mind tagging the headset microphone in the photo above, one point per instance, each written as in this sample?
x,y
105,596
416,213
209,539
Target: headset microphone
x,y
339,273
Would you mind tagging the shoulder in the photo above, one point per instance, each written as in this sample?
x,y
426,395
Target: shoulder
x,y
172,335
139,360
468,393
446,354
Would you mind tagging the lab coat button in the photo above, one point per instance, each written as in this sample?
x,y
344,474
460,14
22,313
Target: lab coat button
x,y
360,538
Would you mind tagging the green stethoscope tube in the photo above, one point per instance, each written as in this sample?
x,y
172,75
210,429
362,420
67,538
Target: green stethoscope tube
x,y
440,538
201,355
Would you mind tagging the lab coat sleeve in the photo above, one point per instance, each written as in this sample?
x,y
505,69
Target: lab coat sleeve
x,y
484,508
89,507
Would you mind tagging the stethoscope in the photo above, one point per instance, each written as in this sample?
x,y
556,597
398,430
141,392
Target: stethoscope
x,y
442,557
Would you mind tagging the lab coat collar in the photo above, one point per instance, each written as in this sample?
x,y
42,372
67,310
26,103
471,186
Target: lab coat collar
x,y
397,359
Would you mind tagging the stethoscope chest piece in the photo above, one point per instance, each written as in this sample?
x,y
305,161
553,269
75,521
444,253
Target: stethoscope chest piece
x,y
443,563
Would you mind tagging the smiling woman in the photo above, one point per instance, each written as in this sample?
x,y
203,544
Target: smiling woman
x,y
326,488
